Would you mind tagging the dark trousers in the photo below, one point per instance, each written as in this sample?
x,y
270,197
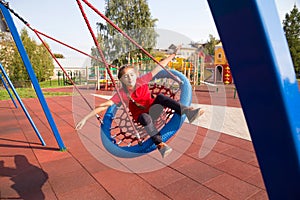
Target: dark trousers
x,y
146,119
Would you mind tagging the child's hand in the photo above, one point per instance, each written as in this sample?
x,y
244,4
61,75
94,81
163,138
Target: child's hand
x,y
80,124
177,49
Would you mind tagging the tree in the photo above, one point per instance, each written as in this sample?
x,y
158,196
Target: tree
x,y
291,27
6,50
40,59
134,18
58,55
44,63
209,47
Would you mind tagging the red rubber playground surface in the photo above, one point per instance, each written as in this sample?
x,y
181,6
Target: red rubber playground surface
x,y
31,171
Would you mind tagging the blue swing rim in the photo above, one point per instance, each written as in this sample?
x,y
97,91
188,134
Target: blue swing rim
x,y
166,132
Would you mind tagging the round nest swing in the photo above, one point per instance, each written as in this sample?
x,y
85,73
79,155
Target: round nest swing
x,y
117,134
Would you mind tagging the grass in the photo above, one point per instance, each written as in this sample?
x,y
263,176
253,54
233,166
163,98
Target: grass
x,y
49,84
30,93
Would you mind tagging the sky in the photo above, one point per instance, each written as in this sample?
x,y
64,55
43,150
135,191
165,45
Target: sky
x,y
189,20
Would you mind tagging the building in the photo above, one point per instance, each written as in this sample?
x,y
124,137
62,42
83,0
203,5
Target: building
x,y
74,67
186,51
222,70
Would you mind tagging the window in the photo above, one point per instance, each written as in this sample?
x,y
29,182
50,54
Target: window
x,y
220,55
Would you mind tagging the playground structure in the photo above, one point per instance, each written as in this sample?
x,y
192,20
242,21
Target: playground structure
x,y
222,73
143,65
192,67
102,81
277,145
198,68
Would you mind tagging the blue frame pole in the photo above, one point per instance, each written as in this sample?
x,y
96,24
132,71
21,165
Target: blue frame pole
x,y
11,97
259,58
34,81
22,105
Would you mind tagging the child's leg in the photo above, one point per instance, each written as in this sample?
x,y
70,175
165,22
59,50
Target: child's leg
x,y
145,120
180,109
170,103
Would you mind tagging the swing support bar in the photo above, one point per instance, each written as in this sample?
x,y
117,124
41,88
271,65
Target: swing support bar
x,y
5,85
31,73
21,103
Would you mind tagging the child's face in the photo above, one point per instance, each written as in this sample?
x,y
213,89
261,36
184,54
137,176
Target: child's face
x,y
129,77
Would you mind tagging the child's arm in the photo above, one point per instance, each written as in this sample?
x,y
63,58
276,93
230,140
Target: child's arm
x,y
164,62
98,109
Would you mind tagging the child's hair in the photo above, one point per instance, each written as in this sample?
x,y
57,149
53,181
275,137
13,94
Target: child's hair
x,y
122,70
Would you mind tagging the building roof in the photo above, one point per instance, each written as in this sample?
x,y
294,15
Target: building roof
x,y
219,44
183,46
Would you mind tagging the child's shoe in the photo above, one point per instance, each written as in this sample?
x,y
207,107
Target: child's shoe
x,y
164,149
193,113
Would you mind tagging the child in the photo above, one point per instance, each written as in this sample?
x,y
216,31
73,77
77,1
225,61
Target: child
x,y
136,94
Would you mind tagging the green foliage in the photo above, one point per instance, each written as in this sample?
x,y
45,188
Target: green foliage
x,y
291,27
49,84
209,47
40,59
6,51
134,18
30,93
58,55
